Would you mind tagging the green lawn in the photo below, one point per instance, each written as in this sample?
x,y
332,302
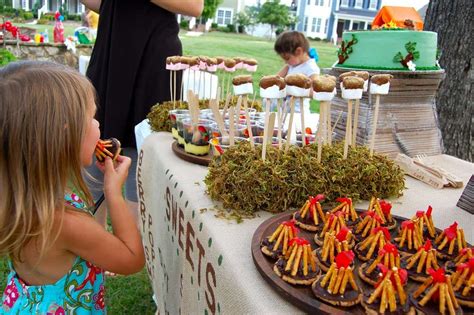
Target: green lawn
x,y
133,294
233,45
69,28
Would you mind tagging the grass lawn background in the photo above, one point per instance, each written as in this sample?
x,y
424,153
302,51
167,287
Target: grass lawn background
x,y
133,294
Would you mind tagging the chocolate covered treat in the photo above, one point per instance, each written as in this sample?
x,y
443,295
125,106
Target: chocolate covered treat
x,y
436,295
451,241
242,84
387,256
383,209
347,208
419,264
298,265
389,296
373,243
277,244
337,286
410,237
332,245
311,216
298,85
424,221
110,147
463,283
380,84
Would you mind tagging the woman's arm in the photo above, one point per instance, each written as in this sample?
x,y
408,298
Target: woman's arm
x,y
186,7
94,5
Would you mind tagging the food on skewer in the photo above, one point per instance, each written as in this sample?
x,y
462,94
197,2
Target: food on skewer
x,y
242,84
173,63
211,64
364,75
229,65
323,88
352,87
298,266
220,62
425,222
298,85
411,237
380,84
277,244
110,147
250,64
332,245
272,86
451,241
387,256
311,216
347,208
436,295
463,283
338,286
419,264
373,243
383,209
239,63
389,296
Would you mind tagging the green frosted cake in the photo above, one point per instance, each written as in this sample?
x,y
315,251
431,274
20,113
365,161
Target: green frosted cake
x,y
388,50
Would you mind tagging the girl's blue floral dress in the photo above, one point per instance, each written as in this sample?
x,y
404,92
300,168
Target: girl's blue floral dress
x,y
80,291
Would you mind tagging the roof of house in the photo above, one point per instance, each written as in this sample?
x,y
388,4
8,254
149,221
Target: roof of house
x,y
356,12
398,15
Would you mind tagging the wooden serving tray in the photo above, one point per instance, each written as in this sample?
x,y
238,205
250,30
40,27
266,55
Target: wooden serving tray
x,y
302,296
196,159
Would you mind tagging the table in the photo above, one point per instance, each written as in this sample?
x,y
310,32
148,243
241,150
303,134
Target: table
x,y
201,264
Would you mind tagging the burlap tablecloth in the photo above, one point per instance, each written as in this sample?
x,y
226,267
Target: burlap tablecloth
x,y
200,264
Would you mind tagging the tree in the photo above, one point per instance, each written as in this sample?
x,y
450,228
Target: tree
x,y
275,14
210,8
455,98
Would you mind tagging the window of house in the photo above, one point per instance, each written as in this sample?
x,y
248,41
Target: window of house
x,y
305,23
224,16
326,26
372,4
318,26
344,3
309,2
313,25
319,2
358,4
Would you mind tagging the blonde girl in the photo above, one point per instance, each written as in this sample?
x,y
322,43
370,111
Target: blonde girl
x,y
55,248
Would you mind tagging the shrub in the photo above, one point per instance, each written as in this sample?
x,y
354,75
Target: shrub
x,y
28,15
43,21
184,24
214,26
224,29
231,28
6,57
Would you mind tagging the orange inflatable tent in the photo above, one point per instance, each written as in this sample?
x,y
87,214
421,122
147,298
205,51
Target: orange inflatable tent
x,y
397,15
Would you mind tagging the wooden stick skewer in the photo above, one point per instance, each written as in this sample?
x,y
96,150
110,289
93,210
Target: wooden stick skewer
x,y
290,124
374,124
356,123
348,128
231,126
303,131
265,130
329,127
279,122
247,119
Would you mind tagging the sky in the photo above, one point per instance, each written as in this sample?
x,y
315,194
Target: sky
x,y
417,4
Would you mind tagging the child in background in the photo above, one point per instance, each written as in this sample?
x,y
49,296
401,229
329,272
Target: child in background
x,y
56,250
293,48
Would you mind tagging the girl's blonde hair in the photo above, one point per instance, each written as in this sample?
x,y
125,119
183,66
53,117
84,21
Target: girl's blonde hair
x,y
43,110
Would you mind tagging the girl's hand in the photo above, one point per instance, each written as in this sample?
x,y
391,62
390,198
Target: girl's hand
x,y
115,174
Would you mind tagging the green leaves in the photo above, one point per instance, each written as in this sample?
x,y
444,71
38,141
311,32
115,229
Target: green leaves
x,y
398,57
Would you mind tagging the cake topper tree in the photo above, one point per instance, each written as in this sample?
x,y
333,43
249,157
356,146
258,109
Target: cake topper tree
x,y
346,49
407,61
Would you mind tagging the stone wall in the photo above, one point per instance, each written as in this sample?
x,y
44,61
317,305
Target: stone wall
x,y
48,52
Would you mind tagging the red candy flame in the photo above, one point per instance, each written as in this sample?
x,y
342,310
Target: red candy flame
x,y
342,235
298,241
385,206
450,232
314,200
469,264
389,248
292,225
384,231
344,259
402,273
426,247
408,224
437,275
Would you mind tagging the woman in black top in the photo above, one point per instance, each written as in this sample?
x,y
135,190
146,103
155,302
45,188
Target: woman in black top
x,y
127,66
